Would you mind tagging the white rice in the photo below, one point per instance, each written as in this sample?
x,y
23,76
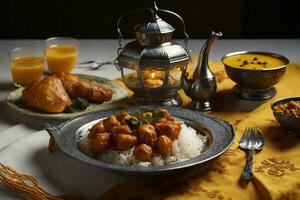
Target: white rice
x,y
188,145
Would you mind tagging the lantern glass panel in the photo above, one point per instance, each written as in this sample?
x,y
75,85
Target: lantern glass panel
x,y
131,78
174,79
153,77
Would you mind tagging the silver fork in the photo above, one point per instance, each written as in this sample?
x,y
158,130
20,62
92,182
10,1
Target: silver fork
x,y
251,141
94,65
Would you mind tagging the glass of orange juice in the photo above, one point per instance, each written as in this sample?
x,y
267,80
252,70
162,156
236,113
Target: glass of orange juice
x,y
61,54
27,65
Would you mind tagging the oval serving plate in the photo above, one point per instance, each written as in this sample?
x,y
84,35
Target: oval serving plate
x,y
220,135
119,94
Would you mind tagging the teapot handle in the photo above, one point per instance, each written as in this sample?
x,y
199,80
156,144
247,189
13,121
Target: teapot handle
x,y
155,9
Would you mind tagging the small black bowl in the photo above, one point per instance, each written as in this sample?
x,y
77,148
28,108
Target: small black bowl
x,y
289,122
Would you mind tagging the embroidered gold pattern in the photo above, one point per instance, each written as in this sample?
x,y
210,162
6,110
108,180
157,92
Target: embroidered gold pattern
x,y
195,186
215,194
275,167
288,196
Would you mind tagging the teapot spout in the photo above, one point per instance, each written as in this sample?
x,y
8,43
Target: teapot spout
x,y
202,65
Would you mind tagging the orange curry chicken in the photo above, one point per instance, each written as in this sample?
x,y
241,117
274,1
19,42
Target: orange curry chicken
x,y
149,132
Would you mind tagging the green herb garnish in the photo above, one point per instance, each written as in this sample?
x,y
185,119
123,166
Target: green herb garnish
x,y
157,116
78,103
69,109
133,123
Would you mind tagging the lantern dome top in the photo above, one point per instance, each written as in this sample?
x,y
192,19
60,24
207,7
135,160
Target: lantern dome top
x,y
155,30
155,25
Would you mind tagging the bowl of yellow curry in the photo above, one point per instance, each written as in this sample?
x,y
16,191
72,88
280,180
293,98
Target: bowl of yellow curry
x,y
255,73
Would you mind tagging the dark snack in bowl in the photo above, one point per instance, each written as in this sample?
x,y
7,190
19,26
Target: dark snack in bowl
x,y
286,112
291,108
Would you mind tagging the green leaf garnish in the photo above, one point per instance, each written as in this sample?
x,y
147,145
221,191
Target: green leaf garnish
x,y
69,109
79,103
133,123
157,116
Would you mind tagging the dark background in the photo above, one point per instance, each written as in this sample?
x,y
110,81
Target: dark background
x,y
97,18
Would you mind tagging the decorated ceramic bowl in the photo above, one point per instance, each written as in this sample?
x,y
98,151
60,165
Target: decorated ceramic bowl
x,y
285,111
255,73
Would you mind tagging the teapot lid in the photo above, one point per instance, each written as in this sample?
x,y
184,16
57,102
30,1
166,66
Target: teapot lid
x,y
155,25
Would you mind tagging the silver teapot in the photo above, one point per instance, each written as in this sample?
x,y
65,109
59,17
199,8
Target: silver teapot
x,y
202,86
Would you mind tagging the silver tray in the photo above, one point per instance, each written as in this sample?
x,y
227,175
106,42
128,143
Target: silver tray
x,y
220,135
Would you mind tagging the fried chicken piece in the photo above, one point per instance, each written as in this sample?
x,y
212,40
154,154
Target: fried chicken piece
x,y
123,117
77,87
99,142
167,115
164,145
122,129
143,152
147,115
124,141
110,122
169,128
97,128
47,95
147,134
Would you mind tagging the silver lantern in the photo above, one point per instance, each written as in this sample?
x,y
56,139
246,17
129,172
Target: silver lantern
x,y
152,65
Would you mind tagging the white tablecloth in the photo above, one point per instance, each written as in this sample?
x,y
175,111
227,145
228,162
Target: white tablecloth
x,y
57,172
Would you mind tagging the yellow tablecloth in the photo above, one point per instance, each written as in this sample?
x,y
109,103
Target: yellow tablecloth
x,y
277,166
